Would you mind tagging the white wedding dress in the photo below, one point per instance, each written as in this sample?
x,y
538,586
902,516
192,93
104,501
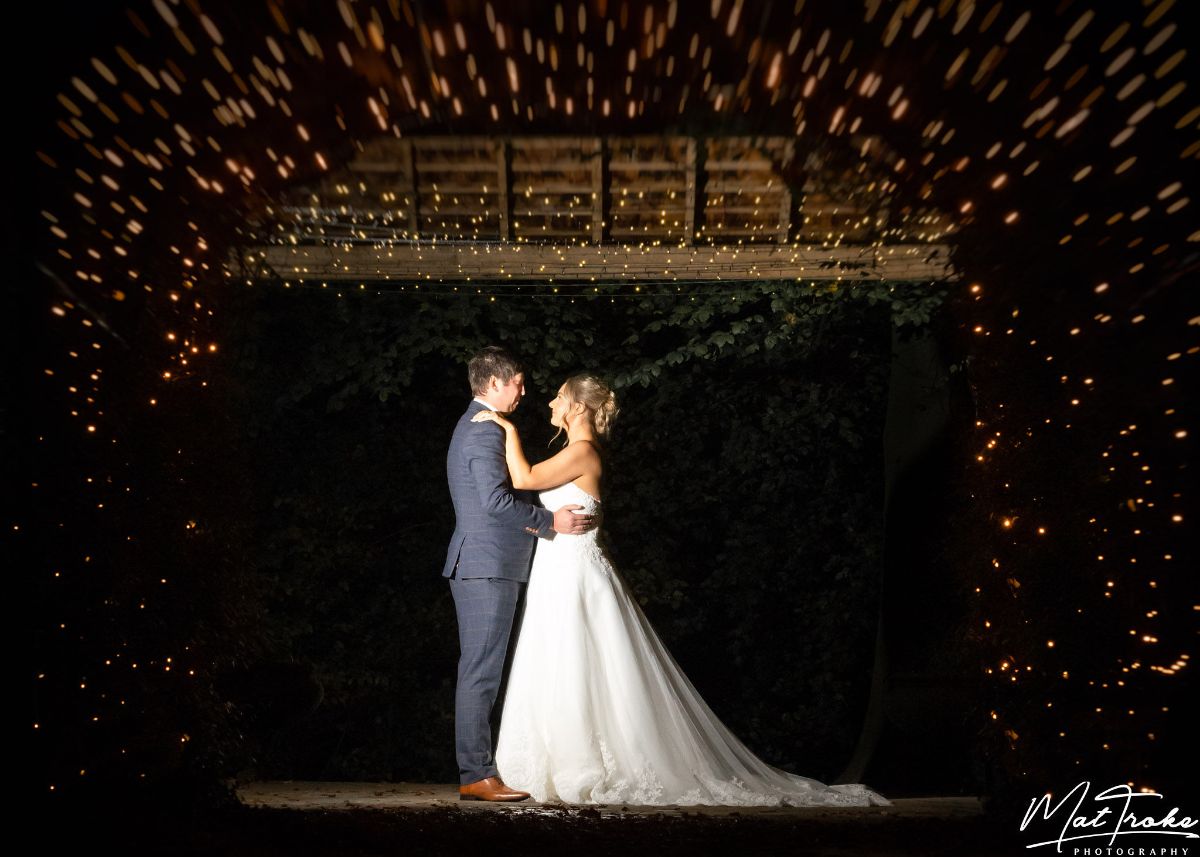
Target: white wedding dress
x,y
598,712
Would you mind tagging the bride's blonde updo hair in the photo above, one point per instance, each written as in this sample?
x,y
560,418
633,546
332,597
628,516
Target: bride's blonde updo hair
x,y
596,396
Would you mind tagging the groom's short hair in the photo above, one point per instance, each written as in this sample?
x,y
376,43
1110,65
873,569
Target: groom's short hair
x,y
492,362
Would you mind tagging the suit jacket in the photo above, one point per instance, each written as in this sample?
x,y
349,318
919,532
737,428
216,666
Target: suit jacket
x,y
494,524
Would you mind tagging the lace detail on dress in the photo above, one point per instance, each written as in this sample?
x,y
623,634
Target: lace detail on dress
x,y
641,787
586,552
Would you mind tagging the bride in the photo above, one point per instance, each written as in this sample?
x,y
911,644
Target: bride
x,y
597,711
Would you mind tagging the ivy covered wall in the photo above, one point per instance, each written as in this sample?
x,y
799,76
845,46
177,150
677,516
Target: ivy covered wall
x,y
744,502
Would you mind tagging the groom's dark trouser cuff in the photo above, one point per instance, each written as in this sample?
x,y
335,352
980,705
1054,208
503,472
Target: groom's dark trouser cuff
x,y
467,779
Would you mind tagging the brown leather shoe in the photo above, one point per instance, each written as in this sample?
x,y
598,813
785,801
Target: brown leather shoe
x,y
492,788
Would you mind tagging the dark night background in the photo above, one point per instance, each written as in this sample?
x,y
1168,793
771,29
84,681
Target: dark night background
x,y
764,503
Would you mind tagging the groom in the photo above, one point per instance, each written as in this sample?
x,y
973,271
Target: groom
x,y
488,562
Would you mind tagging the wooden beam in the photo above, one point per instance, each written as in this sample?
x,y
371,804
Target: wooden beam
x,y
721,208
505,200
519,209
523,143
739,166
552,187
457,166
410,188
725,186
471,211
689,202
480,145
598,184
626,166
541,167
527,232
785,216
542,263
464,189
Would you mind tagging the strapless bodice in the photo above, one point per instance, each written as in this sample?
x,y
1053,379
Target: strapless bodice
x,y
568,494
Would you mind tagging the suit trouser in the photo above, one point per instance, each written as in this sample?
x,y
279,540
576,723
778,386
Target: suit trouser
x,y
485,608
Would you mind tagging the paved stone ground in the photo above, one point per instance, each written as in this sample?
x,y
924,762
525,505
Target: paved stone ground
x,y
294,817
299,794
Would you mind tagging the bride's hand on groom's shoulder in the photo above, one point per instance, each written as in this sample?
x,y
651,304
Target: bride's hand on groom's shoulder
x,y
490,416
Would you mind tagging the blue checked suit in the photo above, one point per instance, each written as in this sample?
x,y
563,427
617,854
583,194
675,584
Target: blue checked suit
x,y
487,562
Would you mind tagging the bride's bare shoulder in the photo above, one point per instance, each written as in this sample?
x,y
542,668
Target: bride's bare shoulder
x,y
588,451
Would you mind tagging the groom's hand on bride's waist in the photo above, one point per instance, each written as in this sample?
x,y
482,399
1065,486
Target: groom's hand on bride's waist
x,y
570,524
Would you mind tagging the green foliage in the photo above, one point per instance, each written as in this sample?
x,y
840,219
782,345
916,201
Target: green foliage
x,y
743,495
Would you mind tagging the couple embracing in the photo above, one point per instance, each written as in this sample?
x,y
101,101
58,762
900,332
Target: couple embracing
x,y
596,710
